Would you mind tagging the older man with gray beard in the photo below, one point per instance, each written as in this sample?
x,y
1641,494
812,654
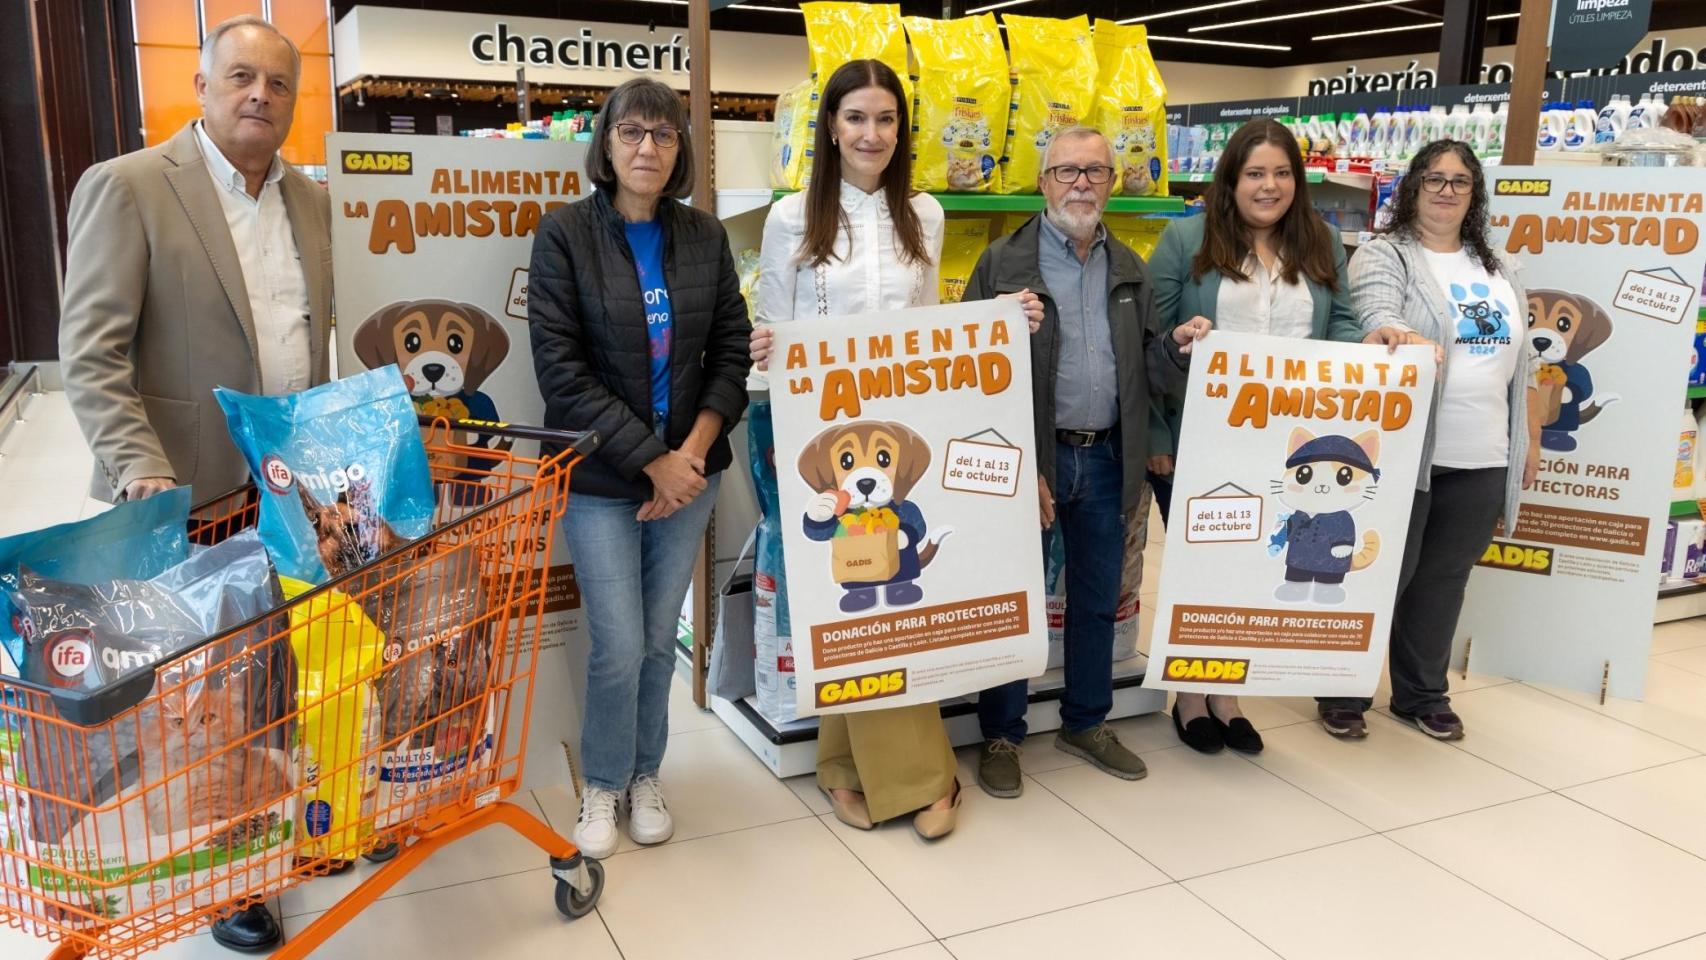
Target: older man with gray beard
x,y
1095,362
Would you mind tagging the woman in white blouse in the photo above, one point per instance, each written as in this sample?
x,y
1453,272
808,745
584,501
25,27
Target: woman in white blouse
x,y
859,240
1258,260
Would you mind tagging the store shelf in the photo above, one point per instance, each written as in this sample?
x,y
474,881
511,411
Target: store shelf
x,y
1685,508
1355,238
1696,392
1032,202
1354,181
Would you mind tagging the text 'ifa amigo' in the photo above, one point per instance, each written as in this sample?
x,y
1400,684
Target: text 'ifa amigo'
x,y
1349,390
859,369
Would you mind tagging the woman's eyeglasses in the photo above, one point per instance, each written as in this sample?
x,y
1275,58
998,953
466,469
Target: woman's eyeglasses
x,y
1434,183
632,134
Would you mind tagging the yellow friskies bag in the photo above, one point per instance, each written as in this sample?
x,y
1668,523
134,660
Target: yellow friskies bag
x,y
338,650
792,137
959,121
840,32
1137,232
963,241
1131,108
1054,87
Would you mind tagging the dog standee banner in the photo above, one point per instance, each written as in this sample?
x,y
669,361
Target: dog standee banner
x,y
1295,471
1612,264
906,463
431,240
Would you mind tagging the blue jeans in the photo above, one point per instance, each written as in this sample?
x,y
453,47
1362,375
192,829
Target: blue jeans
x,y
633,578
1087,507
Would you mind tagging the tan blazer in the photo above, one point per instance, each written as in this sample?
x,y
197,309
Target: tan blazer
x,y
155,315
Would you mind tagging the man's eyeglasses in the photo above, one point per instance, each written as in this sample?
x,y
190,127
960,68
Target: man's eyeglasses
x,y
1067,174
632,133
1434,183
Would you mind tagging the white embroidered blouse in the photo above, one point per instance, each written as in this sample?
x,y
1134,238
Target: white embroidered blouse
x,y
868,273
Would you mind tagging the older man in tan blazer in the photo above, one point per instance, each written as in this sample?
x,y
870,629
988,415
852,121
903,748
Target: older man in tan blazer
x,y
202,262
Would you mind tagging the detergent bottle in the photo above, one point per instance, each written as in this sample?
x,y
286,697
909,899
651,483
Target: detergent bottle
x,y
1380,133
1481,130
1361,130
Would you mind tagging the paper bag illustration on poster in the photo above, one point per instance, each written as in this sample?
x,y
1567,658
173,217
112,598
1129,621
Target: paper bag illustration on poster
x,y
431,239
906,468
1295,471
1612,266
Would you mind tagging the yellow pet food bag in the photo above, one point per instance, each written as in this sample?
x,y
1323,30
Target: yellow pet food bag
x,y
1137,232
959,121
792,136
1131,108
837,33
963,241
338,651
1054,87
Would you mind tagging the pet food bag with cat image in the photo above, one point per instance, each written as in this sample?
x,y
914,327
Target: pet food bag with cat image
x,y
773,661
135,540
959,121
157,804
963,241
1131,108
436,722
792,135
835,34
335,752
1053,88
341,470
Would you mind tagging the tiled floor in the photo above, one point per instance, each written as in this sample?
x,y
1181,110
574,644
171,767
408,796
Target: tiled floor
x,y
1558,829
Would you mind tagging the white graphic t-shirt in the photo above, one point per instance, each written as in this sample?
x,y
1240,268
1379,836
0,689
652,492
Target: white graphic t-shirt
x,y
1482,354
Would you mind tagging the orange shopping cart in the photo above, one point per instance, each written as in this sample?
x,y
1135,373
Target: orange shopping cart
x,y
383,714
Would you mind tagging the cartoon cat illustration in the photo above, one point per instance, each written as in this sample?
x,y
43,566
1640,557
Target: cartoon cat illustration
x,y
1325,478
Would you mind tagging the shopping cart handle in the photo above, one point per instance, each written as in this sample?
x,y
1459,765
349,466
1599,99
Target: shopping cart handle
x,y
582,442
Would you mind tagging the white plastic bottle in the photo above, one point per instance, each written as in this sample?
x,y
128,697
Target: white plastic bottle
x,y
1435,123
1380,133
1682,483
1455,125
1361,130
1549,135
1656,112
1579,121
1608,126
1415,132
1481,130
1344,133
1501,121
1638,114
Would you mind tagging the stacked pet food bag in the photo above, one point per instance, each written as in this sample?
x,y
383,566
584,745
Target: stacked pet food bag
x,y
982,114
287,744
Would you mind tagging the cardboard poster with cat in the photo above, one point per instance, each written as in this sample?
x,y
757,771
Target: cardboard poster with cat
x,y
1291,502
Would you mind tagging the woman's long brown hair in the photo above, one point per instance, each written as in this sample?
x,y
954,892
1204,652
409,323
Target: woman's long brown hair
x,y
825,220
1301,237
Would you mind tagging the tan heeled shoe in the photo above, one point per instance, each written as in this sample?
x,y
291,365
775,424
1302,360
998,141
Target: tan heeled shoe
x,y
936,824
854,813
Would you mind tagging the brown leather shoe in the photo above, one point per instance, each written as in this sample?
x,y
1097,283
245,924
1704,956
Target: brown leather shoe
x,y
854,813
936,824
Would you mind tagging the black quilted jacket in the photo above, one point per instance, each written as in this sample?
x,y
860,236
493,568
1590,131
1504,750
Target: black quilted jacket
x,y
590,350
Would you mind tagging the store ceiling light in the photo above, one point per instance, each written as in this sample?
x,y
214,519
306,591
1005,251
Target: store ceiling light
x,y
1504,16
1222,43
1369,33
752,6
1348,8
1179,13
994,6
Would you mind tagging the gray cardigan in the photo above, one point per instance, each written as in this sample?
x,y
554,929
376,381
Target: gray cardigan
x,y
1391,285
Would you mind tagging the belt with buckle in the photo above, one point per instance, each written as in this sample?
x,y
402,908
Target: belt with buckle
x,y
1082,438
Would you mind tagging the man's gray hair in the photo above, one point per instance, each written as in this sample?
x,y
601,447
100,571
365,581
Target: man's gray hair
x,y
211,41
1078,132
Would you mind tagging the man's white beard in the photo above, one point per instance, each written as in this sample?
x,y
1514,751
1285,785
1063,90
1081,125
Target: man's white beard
x,y
1078,226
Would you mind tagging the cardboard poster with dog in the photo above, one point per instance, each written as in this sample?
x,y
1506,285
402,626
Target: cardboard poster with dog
x,y
1291,506
431,238
905,453
1612,266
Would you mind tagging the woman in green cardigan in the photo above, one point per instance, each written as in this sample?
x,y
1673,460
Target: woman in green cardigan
x,y
1259,260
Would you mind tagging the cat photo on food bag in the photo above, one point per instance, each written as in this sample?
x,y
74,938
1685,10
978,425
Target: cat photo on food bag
x,y
860,475
1326,478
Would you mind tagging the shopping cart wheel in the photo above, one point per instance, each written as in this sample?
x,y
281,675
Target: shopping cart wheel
x,y
580,880
382,854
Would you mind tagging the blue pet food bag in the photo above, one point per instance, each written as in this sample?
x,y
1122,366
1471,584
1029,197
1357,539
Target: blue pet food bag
x,y
135,540
341,471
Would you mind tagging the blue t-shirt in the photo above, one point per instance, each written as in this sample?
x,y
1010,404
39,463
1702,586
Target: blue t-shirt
x,y
646,240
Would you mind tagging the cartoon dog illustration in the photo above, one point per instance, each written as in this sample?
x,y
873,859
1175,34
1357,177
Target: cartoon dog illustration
x,y
1563,328
860,474
445,350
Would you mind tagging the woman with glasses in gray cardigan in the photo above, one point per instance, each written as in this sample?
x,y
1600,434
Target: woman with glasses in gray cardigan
x,y
1433,276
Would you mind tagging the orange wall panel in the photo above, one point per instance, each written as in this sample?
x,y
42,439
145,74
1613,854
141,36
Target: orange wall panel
x,y
308,22
215,12
307,141
167,76
167,21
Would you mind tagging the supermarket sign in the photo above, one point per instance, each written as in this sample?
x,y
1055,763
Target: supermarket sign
x,y
390,42
1659,53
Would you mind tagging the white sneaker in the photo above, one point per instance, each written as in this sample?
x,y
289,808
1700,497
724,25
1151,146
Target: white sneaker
x,y
648,818
595,831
